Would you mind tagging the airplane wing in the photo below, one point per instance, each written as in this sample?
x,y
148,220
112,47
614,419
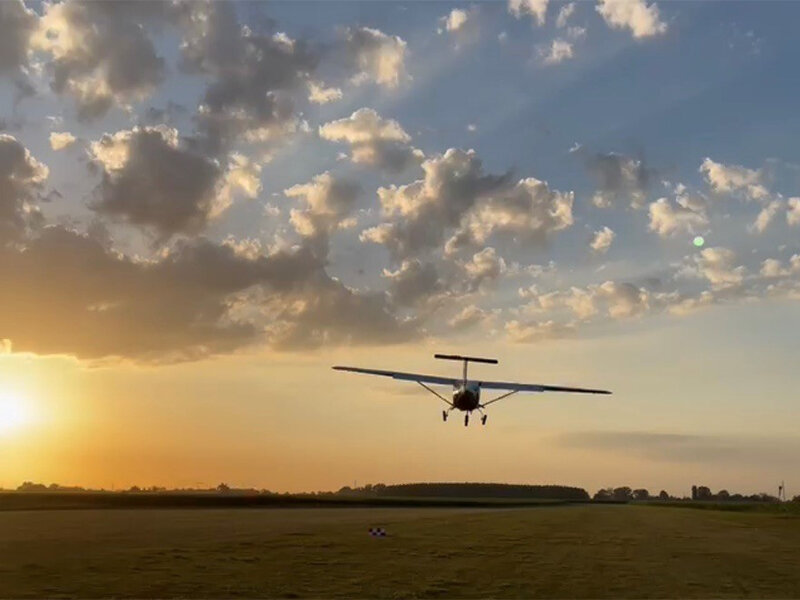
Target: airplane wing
x,y
535,387
433,379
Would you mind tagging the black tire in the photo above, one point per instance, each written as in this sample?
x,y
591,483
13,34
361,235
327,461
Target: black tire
x,y
466,419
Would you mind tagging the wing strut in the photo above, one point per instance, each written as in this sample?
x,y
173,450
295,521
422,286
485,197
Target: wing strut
x,y
435,393
499,398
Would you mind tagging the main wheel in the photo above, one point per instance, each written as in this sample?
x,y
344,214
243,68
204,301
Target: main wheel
x,y
444,415
466,419
483,419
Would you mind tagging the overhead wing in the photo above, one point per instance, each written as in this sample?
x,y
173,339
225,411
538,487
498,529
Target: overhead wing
x,y
535,387
433,379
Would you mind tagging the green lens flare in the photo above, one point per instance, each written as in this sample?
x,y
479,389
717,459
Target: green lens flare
x,y
699,241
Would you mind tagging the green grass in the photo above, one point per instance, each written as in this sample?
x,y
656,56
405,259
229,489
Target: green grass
x,y
585,551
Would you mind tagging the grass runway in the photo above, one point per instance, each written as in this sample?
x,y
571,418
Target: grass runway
x,y
578,551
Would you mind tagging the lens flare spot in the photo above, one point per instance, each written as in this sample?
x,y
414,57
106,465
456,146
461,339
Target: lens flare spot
x,y
699,241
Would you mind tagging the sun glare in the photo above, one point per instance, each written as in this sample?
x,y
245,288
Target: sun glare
x,y
14,412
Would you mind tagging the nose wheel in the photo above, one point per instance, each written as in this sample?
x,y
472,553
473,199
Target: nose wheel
x,y
444,415
466,419
483,419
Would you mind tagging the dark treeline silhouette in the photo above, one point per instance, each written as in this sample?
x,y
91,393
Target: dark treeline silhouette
x,y
432,490
469,490
702,493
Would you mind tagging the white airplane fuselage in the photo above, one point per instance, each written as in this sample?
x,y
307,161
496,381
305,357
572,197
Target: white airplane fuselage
x,y
467,396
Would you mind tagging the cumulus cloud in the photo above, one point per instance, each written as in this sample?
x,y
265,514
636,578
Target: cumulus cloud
x,y
470,316
427,208
455,20
793,211
535,331
530,212
21,181
329,201
100,52
414,281
601,240
734,179
17,24
765,217
718,266
150,179
484,266
619,178
196,300
564,13
319,94
641,19
374,140
253,75
377,56
687,214
558,51
61,140
537,9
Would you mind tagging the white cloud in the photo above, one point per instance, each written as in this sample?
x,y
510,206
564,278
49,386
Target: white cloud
x,y
718,266
328,201
793,211
535,8
319,94
558,51
601,240
642,20
535,331
564,13
484,266
734,179
455,20
378,56
374,140
61,140
469,316
765,217
686,215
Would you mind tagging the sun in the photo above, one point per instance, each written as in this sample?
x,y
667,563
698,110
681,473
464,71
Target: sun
x,y
15,412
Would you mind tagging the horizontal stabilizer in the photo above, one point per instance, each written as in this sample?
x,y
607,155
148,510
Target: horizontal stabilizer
x,y
491,361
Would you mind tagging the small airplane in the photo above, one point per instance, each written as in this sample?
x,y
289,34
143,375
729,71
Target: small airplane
x,y
466,393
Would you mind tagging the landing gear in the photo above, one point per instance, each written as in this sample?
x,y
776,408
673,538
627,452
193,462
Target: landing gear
x,y
483,419
466,419
444,415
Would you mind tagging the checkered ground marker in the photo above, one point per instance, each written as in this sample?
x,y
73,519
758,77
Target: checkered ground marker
x,y
377,532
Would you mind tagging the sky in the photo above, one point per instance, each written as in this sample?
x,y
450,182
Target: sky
x,y
204,206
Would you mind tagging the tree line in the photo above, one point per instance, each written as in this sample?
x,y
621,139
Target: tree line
x,y
447,490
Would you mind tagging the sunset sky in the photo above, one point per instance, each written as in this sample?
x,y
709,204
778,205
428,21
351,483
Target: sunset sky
x,y
205,206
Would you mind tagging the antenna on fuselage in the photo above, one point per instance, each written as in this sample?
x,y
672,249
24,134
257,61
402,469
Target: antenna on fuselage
x,y
467,360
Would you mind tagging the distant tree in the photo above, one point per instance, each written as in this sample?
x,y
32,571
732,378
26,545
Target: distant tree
x,y
723,495
704,493
604,494
694,492
29,486
641,494
134,489
223,488
623,493
796,499
736,497
663,495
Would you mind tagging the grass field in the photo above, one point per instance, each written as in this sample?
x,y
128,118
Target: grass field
x,y
546,551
